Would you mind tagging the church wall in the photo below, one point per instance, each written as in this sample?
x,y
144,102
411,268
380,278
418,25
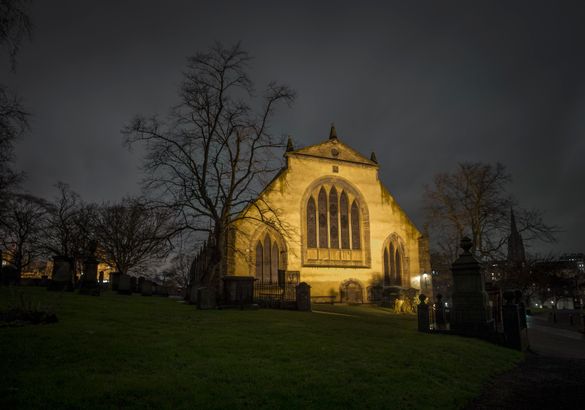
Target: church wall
x,y
286,194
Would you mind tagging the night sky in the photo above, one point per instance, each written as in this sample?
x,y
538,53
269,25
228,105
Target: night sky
x,y
423,84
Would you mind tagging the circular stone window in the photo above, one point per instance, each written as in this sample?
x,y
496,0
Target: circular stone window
x,y
334,152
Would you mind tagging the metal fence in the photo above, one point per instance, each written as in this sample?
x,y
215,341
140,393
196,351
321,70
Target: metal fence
x,y
275,296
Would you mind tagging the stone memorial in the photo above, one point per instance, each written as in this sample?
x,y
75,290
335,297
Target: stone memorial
x,y
423,314
114,280
62,275
206,298
133,284
89,282
124,285
239,290
304,297
470,313
145,287
515,331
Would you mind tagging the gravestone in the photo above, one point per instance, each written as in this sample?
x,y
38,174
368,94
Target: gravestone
x,y
470,313
145,287
62,274
440,317
239,290
206,298
423,314
89,283
162,291
124,285
390,294
115,280
304,297
515,332
133,284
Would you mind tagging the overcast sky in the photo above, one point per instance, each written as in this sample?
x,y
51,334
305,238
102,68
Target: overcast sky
x,y
424,84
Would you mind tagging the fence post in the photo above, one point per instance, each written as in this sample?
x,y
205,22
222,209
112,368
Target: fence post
x,y
423,315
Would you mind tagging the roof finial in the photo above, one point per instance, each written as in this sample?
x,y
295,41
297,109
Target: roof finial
x,y
332,132
289,145
373,157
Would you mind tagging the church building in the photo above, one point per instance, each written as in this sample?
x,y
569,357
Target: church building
x,y
334,226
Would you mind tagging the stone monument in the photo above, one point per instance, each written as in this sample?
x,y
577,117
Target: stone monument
x,y
62,275
471,313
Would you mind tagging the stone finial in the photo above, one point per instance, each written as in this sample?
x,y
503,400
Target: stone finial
x,y
332,132
289,145
373,157
466,244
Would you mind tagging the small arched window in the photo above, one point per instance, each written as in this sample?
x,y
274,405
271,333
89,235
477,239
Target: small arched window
x,y
398,273
393,255
386,268
259,261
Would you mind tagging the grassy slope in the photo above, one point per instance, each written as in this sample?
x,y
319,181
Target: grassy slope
x,y
133,351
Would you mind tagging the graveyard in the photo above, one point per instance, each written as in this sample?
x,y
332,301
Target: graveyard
x,y
130,351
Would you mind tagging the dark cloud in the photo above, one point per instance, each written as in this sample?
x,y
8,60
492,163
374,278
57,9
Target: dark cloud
x,y
425,84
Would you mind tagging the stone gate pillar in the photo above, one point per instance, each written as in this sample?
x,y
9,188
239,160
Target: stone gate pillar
x,y
470,313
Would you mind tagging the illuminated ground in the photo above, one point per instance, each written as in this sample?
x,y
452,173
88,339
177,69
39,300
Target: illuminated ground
x,y
148,352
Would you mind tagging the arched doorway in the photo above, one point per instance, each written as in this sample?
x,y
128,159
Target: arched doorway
x,y
351,291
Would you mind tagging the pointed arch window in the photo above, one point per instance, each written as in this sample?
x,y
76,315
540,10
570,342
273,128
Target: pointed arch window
x,y
267,260
393,262
333,219
311,224
355,226
344,219
322,204
259,260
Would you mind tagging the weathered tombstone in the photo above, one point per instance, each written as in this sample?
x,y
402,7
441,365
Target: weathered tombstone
x,y
101,278
9,275
304,297
390,294
89,284
145,287
62,275
422,310
515,335
115,280
440,319
133,284
238,290
206,298
124,285
162,291
141,280
470,313
192,295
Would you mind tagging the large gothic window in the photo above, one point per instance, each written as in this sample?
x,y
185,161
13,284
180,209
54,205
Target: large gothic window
x,y
334,231
267,260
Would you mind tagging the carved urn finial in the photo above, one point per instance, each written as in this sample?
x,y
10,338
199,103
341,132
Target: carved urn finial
x,y
466,245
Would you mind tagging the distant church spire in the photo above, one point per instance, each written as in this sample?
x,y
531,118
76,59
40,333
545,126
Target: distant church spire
x,y
289,145
373,157
516,253
332,132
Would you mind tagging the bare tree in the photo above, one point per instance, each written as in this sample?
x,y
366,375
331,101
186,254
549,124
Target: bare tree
x,y
214,153
15,25
21,230
130,234
474,201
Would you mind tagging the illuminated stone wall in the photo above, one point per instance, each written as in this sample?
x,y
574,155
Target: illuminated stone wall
x,y
294,247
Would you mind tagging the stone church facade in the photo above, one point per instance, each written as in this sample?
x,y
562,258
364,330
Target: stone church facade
x,y
335,226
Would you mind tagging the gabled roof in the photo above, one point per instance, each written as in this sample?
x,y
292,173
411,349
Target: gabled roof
x,y
333,149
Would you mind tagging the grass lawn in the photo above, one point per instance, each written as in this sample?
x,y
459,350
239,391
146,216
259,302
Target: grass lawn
x,y
148,352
